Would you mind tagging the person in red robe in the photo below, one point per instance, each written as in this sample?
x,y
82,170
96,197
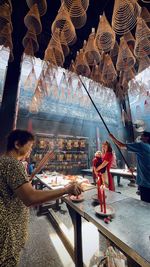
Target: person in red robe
x,y
107,160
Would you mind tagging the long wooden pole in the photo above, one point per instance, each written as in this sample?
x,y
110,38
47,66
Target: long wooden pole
x,y
104,122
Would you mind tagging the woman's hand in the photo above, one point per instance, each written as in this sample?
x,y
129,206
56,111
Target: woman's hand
x,y
74,189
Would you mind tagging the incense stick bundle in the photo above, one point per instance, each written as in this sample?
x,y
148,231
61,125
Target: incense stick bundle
x,y
49,155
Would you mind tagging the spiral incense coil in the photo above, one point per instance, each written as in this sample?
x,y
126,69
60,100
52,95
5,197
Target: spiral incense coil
x,y
72,66
130,41
83,3
5,34
144,63
125,58
125,15
145,14
142,30
79,22
64,44
30,40
7,2
114,51
105,35
64,23
57,50
32,19
50,56
91,51
129,38
42,5
81,66
142,43
77,12
142,48
127,76
108,73
5,15
96,74
8,43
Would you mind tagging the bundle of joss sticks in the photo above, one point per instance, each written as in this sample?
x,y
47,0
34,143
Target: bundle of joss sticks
x,y
49,155
101,196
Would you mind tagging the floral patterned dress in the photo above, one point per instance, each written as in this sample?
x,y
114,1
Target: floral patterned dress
x,y
14,214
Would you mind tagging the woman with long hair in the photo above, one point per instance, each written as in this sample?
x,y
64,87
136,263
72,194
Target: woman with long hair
x,y
107,162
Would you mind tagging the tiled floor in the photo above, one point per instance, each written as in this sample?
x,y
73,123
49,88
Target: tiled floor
x,y
45,249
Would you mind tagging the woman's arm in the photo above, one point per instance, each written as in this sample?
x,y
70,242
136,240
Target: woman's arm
x,y
30,196
101,166
95,171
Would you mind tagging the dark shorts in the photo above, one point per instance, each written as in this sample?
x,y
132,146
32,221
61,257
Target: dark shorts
x,y
145,193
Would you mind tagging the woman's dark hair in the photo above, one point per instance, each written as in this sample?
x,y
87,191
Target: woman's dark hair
x,y
109,146
22,136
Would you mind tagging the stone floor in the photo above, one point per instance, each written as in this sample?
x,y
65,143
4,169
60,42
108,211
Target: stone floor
x,y
45,249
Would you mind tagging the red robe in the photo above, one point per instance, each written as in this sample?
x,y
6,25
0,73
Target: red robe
x,y
109,157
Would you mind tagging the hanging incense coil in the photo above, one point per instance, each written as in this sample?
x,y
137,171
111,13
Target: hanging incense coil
x,y
144,63
105,35
5,15
84,3
91,51
77,10
145,14
50,56
114,51
79,22
142,48
125,58
30,42
129,39
142,43
7,2
96,74
64,23
5,34
57,50
142,29
8,43
32,19
81,65
108,73
126,76
59,38
64,44
125,14
42,5
72,66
